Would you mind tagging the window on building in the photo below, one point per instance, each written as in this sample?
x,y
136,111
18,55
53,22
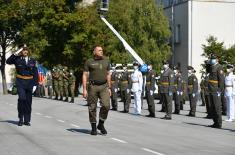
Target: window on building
x,y
177,33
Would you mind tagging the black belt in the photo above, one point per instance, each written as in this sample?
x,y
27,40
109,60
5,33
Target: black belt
x,y
98,83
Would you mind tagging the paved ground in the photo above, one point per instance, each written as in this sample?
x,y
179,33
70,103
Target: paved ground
x,y
62,128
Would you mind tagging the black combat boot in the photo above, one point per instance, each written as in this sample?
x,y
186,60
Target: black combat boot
x,y
66,99
101,127
72,100
93,129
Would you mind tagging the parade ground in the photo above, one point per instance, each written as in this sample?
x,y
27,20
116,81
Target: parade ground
x,y
60,128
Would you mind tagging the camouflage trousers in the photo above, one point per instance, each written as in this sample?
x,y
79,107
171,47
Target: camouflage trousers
x,y
96,92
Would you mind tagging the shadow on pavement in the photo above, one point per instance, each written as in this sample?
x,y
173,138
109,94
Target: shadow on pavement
x,y
84,131
10,122
208,126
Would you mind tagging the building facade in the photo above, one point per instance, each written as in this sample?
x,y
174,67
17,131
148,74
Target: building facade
x,y
192,22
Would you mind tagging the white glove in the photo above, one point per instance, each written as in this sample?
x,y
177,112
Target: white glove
x,y
178,92
34,88
170,93
193,95
218,93
115,90
128,90
151,92
181,93
17,52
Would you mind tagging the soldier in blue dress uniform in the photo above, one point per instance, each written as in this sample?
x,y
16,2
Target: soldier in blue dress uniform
x,y
26,82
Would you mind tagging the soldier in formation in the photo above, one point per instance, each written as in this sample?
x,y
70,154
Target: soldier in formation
x,y
192,90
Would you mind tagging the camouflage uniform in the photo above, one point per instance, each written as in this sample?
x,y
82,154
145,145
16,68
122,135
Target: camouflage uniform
x,y
125,90
55,76
66,83
72,80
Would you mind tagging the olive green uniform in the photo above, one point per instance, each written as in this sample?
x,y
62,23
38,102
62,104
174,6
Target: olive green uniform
x,y
49,85
114,87
192,93
150,88
126,90
60,81
167,83
98,87
55,76
66,84
207,97
215,87
178,92
202,92
72,80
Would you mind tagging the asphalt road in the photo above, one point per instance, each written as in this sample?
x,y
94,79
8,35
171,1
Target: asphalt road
x,y
60,128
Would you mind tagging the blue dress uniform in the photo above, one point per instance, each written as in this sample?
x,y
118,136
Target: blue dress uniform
x,y
26,78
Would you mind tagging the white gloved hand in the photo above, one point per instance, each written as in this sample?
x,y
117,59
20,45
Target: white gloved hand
x,y
34,88
193,95
18,51
218,94
115,90
170,93
128,90
178,93
151,92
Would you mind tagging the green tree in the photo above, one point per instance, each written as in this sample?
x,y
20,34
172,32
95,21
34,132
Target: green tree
x,y
11,24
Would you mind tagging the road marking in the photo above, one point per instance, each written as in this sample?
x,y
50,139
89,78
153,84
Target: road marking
x,y
74,125
59,120
48,116
119,140
37,113
151,151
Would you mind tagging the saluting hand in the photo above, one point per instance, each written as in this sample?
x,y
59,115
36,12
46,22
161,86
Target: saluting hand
x,y
18,52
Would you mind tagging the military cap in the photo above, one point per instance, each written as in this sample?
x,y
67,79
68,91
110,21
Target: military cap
x,y
176,68
135,63
165,62
213,56
230,66
24,46
113,65
191,68
124,65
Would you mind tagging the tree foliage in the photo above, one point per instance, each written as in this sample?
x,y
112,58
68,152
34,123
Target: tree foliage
x,y
65,32
213,46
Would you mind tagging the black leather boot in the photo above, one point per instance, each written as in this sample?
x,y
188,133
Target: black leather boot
x,y
101,127
93,129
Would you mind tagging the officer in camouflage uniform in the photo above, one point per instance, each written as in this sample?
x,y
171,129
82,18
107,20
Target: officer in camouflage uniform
x,y
215,87
125,88
150,88
178,89
55,77
72,80
60,81
99,88
114,88
167,83
49,84
66,83
192,90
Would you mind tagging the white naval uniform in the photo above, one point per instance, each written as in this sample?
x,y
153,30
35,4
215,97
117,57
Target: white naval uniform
x,y
230,95
137,84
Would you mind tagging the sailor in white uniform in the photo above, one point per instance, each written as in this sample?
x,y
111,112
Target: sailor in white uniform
x,y
137,85
230,92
